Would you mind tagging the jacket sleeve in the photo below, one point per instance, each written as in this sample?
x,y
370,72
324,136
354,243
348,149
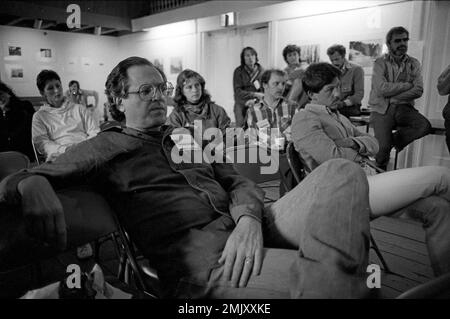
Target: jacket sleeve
x,y
309,137
42,141
80,165
358,86
379,81
443,85
246,198
417,90
239,85
296,90
368,145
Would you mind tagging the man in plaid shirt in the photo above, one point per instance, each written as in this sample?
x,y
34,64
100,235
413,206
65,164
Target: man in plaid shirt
x,y
272,111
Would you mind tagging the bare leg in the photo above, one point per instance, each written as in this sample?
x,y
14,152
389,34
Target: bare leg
x,y
394,190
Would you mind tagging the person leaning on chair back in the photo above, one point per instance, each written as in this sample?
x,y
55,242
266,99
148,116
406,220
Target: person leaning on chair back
x,y
246,83
15,123
443,87
396,83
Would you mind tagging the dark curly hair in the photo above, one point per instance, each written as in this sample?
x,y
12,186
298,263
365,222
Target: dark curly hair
x,y
251,50
317,75
395,30
179,97
289,49
339,48
116,86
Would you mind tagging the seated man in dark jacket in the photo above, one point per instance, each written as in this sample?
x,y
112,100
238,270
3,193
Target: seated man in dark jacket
x,y
203,226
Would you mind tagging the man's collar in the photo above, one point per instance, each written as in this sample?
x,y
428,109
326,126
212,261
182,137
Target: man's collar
x,y
393,59
47,107
264,103
320,108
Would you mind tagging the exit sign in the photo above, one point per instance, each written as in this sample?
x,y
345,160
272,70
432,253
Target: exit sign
x,y
228,19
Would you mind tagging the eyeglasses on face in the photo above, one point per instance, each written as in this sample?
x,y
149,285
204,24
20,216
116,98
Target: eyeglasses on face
x,y
147,92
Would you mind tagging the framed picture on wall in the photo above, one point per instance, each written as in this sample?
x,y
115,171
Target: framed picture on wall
x,y
176,65
45,55
310,53
15,72
365,52
13,52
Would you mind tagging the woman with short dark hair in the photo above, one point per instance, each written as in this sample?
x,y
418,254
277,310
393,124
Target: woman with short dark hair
x,y
15,123
193,103
59,123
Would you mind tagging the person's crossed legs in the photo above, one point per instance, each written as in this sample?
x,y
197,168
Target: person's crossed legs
x,y
321,233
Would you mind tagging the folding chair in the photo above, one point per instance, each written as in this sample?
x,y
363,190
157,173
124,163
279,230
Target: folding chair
x,y
299,172
88,218
38,157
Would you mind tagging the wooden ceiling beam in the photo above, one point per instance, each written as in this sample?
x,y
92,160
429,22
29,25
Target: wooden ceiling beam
x,y
109,31
35,11
82,28
15,21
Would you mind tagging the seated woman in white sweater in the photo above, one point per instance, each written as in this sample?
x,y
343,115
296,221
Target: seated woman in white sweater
x,y
59,123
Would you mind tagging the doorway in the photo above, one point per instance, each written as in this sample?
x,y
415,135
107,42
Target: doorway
x,y
222,56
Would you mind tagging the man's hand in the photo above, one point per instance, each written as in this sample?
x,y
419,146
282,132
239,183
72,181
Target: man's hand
x,y
43,212
242,254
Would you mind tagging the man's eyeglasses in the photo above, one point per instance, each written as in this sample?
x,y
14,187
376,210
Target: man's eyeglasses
x,y
147,92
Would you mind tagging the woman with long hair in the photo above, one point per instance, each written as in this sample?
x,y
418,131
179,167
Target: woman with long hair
x,y
193,102
246,83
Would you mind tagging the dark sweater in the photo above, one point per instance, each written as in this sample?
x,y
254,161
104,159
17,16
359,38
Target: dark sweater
x,y
15,128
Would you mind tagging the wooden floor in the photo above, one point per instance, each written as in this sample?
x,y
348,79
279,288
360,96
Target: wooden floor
x,y
402,244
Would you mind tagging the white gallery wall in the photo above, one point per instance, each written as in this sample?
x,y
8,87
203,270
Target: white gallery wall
x,y
82,57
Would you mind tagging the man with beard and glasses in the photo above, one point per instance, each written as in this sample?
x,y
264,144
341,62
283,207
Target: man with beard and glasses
x,y
396,83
